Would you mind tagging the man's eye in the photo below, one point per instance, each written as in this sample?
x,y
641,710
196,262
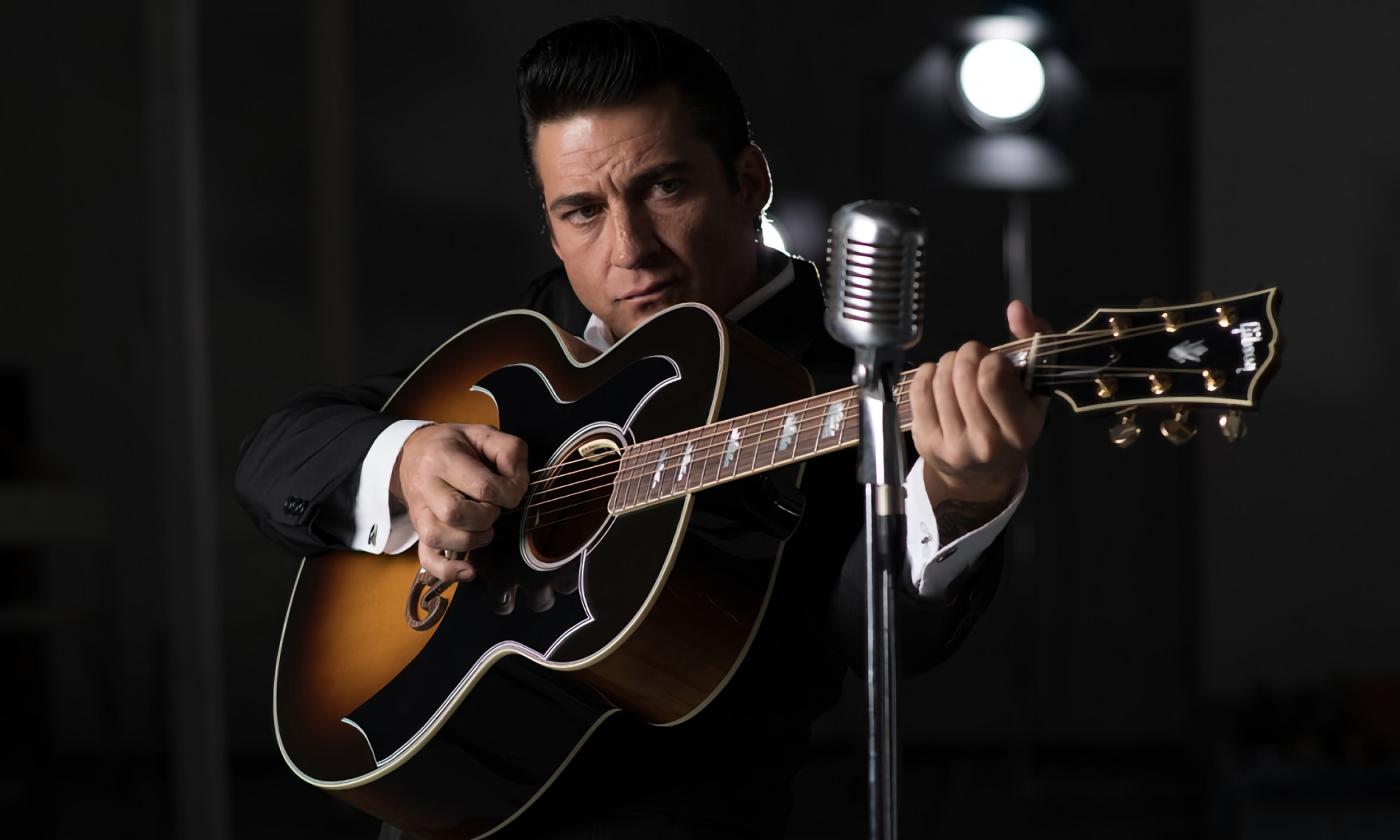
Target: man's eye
x,y
670,186
583,214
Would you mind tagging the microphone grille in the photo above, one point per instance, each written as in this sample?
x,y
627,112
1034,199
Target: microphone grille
x,y
874,290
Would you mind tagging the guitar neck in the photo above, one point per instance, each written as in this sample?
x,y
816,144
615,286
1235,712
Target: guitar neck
x,y
666,468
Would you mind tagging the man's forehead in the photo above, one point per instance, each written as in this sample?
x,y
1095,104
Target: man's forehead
x,y
615,142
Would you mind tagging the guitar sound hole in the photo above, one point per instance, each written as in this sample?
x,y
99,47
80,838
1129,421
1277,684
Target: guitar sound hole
x,y
571,507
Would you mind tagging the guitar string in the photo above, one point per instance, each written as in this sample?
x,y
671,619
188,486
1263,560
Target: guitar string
x,y
1074,342
595,501
720,437
626,472
632,472
1071,341
609,480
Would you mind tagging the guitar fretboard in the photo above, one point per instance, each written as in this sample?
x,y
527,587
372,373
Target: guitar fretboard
x,y
665,468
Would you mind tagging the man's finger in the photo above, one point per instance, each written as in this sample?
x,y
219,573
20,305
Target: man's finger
x,y
478,482
508,455
921,404
452,507
1023,322
965,373
1007,399
434,563
950,418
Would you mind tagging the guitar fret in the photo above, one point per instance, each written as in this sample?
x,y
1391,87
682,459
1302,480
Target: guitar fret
x,y
628,474
729,450
757,436
805,427
777,434
687,457
714,452
638,476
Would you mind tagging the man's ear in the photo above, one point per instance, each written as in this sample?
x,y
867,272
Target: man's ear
x,y
755,181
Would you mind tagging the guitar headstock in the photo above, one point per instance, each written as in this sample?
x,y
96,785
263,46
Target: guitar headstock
x,y
1212,353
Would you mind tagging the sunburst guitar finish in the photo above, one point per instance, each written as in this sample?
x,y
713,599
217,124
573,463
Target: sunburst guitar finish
x,y
421,727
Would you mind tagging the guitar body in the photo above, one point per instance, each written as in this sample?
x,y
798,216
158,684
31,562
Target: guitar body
x,y
453,728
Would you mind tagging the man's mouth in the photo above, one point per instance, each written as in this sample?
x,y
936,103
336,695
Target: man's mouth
x,y
649,290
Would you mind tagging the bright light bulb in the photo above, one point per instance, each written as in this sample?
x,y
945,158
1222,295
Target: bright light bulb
x,y
1001,78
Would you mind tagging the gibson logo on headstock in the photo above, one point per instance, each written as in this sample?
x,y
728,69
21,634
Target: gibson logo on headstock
x,y
1250,333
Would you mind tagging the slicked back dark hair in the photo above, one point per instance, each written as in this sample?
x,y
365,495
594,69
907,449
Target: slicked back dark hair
x,y
611,61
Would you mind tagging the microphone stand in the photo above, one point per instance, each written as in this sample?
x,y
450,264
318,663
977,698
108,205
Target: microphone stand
x,y
881,469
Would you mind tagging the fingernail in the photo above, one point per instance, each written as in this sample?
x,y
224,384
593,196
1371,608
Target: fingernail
x,y
466,574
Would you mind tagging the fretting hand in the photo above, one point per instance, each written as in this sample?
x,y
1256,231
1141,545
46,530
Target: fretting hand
x,y
974,422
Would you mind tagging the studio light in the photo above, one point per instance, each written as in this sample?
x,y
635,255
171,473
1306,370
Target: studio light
x,y
993,99
1002,81
995,96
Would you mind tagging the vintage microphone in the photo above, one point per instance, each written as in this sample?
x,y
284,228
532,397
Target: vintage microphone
x,y
874,306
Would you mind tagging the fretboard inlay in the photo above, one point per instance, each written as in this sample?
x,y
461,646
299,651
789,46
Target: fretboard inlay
x,y
660,468
835,417
789,432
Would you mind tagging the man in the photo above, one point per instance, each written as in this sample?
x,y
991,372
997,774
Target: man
x,y
652,188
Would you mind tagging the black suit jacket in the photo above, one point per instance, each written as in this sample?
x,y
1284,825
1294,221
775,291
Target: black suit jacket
x,y
729,767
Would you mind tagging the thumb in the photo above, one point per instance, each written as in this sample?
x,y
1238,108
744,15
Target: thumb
x,y
1023,322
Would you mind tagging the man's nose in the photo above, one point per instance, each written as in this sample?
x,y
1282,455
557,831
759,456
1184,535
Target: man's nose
x,y
634,238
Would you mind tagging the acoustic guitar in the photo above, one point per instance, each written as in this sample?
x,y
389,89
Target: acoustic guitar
x,y
391,687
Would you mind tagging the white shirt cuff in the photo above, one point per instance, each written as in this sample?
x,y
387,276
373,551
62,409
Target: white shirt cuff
x,y
932,565
377,531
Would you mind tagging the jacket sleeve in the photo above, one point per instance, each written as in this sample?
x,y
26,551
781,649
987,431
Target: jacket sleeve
x,y
299,470
927,632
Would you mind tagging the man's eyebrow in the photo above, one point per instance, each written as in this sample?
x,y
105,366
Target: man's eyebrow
x,y
578,199
660,171
646,176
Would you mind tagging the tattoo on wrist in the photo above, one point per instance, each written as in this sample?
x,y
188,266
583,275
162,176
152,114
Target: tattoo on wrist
x,y
956,517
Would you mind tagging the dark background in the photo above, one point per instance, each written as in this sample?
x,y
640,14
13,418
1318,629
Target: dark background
x,y
209,205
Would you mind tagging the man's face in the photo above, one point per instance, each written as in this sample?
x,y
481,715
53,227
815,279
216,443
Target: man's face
x,y
642,213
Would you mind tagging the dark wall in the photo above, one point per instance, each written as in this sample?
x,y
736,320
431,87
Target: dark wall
x,y
359,197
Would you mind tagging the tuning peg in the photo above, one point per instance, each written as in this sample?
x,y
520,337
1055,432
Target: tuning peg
x,y
1118,324
1232,426
1178,428
1125,432
1159,383
1106,386
1215,379
1226,316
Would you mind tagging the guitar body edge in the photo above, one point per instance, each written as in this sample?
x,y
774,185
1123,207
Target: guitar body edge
x,y
685,608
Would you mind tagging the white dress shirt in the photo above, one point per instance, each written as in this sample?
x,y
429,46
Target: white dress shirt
x,y
932,565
